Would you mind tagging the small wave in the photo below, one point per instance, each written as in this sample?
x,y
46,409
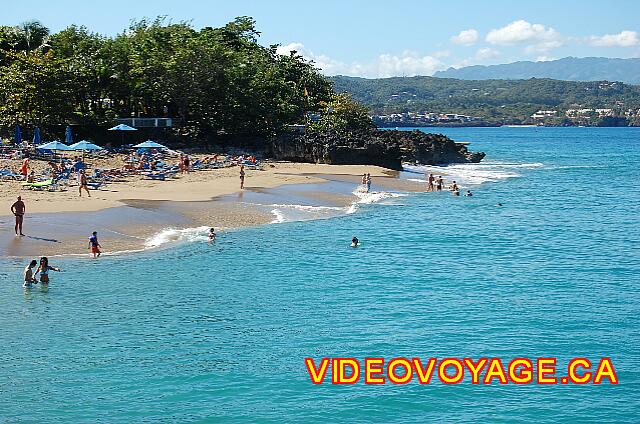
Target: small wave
x,y
173,235
474,173
279,217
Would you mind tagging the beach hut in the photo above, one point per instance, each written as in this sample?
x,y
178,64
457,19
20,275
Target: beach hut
x,y
122,128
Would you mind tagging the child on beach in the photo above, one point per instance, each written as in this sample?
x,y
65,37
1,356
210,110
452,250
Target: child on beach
x,y
43,270
29,280
212,235
94,246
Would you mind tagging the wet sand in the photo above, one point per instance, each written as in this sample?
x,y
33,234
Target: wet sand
x,y
130,226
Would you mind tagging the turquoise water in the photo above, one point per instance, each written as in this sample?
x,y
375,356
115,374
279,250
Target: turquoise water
x,y
200,333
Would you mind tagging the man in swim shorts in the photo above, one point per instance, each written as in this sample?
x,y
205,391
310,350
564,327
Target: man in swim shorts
x,y
94,245
29,280
18,209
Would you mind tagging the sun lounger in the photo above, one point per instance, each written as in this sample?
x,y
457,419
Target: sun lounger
x,y
39,185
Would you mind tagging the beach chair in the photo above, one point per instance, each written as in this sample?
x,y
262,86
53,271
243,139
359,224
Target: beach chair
x,y
5,174
39,185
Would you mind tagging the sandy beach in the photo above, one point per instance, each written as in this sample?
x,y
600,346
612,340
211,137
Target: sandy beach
x,y
128,212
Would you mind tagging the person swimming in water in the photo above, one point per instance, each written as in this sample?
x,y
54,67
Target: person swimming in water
x,y
212,235
468,193
43,270
456,192
29,280
355,242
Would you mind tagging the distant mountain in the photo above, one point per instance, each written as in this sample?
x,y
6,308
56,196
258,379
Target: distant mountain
x,y
500,101
567,69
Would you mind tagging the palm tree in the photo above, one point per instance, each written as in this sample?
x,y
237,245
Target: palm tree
x,y
31,35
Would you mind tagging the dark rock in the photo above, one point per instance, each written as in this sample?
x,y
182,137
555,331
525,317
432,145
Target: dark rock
x,y
382,148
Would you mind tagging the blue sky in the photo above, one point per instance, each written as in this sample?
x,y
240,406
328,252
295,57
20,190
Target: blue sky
x,y
383,38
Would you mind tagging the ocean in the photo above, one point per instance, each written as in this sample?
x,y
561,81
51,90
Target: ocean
x,y
193,332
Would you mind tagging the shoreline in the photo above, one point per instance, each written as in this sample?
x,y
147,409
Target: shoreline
x,y
165,212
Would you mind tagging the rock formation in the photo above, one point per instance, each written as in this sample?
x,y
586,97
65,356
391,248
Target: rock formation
x,y
383,148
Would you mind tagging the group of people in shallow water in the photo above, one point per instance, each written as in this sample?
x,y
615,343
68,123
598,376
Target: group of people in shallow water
x,y
41,273
437,184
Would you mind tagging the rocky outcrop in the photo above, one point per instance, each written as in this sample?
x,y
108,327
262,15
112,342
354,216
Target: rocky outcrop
x,y
383,148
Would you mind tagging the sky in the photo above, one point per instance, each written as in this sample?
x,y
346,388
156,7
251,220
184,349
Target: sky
x,y
378,38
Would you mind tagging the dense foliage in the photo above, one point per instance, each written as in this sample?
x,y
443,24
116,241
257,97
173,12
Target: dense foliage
x,y
209,81
502,101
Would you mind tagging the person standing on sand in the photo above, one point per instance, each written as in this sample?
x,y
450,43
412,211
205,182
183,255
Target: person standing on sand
x,y
24,170
94,246
186,162
44,269
18,209
78,166
83,183
430,180
29,281
241,177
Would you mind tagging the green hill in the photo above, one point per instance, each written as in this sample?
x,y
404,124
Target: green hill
x,y
499,101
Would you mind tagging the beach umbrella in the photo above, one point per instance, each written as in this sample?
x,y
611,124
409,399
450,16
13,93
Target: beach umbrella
x,y
17,136
150,145
68,138
85,146
55,146
122,128
36,136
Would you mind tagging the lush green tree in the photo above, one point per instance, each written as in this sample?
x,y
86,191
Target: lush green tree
x,y
34,89
341,113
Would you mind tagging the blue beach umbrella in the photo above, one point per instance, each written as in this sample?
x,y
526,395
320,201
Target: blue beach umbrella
x,y
17,136
122,128
84,145
68,138
36,136
55,145
150,145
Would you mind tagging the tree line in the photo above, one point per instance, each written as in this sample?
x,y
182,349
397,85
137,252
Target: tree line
x,y
210,81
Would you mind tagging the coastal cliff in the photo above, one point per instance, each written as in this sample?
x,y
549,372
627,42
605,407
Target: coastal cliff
x,y
382,148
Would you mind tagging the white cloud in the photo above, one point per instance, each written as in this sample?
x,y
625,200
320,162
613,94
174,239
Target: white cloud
x,y
288,48
521,31
486,53
544,46
385,65
408,64
467,37
622,39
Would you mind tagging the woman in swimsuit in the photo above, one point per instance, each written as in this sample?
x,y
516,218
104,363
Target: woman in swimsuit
x,y
43,270
83,183
241,177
